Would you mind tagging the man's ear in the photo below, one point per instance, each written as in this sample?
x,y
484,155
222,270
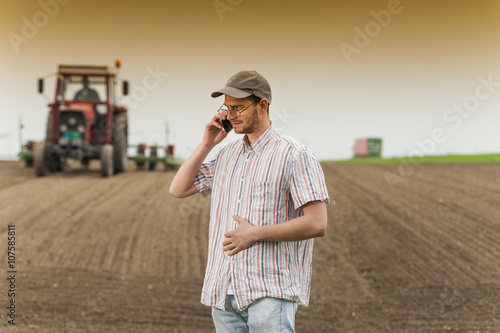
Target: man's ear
x,y
264,104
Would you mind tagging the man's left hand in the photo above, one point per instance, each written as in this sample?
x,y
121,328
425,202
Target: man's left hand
x,y
240,238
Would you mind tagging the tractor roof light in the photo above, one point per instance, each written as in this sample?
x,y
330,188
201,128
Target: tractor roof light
x,y
101,108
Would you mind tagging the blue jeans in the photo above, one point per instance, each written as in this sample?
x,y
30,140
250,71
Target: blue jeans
x,y
264,315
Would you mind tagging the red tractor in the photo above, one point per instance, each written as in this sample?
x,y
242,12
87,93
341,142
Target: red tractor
x,y
84,121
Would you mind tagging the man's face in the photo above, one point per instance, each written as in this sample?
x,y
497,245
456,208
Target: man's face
x,y
248,121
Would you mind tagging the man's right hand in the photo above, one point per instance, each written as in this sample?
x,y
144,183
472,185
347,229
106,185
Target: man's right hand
x,y
214,133
183,183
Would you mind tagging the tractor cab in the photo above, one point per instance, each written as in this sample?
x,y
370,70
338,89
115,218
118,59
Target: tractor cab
x,y
82,88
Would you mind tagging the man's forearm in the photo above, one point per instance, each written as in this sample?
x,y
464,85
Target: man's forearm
x,y
182,184
312,224
300,228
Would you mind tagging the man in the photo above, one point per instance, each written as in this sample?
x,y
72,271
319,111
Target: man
x,y
86,93
268,200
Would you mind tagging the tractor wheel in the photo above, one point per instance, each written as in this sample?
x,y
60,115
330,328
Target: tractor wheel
x,y
85,163
55,163
107,160
45,161
49,162
120,142
41,160
48,134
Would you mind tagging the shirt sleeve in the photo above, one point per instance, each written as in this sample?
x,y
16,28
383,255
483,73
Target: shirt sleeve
x,y
308,180
204,178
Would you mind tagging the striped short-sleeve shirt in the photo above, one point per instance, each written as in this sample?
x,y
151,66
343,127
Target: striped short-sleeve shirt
x,y
265,183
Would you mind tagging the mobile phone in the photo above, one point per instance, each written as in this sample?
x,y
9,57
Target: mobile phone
x,y
226,125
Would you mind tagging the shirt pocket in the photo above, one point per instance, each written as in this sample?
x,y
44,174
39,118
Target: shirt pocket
x,y
266,202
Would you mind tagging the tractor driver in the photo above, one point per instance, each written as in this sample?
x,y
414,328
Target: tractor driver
x,y
86,93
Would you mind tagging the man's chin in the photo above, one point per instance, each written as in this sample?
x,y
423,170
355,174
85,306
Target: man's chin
x,y
238,129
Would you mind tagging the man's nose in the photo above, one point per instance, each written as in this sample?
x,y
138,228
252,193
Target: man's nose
x,y
231,115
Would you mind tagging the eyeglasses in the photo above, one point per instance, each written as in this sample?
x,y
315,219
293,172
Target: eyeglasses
x,y
224,110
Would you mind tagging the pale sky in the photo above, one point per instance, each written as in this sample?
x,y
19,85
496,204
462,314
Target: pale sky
x,y
398,70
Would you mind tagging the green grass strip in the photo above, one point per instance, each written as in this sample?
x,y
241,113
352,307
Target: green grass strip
x,y
444,159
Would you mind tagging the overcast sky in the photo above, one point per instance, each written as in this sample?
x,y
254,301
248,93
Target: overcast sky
x,y
424,75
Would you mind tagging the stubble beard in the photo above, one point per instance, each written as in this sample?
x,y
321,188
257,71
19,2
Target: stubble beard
x,y
251,126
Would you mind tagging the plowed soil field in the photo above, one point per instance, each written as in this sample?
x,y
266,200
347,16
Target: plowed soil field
x,y
418,252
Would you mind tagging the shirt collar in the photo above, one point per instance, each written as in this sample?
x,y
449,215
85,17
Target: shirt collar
x,y
261,141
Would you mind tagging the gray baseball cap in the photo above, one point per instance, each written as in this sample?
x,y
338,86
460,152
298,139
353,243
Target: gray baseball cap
x,y
244,84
